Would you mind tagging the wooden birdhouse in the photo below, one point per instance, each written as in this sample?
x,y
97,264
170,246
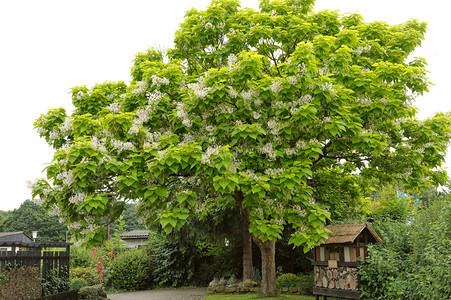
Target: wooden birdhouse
x,y
336,261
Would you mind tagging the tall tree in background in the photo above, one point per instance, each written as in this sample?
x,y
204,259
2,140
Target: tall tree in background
x,y
29,217
266,111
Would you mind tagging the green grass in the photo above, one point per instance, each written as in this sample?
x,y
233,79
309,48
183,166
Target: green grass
x,y
255,296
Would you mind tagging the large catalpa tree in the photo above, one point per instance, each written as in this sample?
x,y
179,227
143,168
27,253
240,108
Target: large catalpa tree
x,y
279,112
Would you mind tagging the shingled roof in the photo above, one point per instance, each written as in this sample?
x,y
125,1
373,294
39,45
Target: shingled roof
x,y
347,233
136,234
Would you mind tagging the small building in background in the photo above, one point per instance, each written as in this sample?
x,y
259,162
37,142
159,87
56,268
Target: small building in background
x,y
18,236
135,238
336,261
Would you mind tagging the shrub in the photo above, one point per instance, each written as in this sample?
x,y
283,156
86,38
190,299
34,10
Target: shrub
x,y
77,283
54,283
288,280
88,274
80,257
131,270
306,284
414,259
95,292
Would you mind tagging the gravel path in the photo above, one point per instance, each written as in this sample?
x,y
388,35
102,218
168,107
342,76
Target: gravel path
x,y
173,294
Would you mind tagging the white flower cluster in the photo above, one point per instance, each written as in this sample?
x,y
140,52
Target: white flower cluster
x,y
153,96
256,115
405,174
291,151
188,138
361,49
237,163
158,81
300,144
66,126
252,175
293,80
97,144
270,202
142,86
38,201
67,177
90,228
279,221
114,108
274,172
208,25
273,127
257,102
55,134
182,114
364,100
199,207
74,225
231,60
208,153
328,86
278,104
324,70
294,105
301,68
80,95
259,211
248,95
56,210
276,86
30,184
41,130
122,146
78,197
268,150
224,109
297,209
384,101
199,88
232,93
152,139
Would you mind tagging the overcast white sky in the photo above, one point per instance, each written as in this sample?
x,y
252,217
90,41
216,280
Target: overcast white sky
x,y
49,46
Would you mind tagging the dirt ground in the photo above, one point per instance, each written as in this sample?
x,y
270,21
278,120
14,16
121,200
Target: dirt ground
x,y
170,294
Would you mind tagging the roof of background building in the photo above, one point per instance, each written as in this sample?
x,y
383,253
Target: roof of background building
x,y
135,234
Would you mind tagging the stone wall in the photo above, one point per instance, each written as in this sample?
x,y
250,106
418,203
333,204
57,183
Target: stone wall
x,y
343,278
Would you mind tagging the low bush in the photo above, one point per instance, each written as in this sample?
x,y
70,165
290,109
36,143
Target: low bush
x,y
80,257
131,270
288,280
88,274
54,283
95,292
306,284
77,283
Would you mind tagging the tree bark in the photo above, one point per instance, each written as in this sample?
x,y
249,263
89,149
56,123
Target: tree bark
x,y
247,254
268,253
247,237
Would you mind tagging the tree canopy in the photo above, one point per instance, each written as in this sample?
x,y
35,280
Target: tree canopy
x,y
29,217
281,112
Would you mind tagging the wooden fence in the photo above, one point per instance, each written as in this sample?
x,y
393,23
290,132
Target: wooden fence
x,y
34,254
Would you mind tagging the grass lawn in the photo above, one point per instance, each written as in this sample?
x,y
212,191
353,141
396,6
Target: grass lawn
x,y
257,296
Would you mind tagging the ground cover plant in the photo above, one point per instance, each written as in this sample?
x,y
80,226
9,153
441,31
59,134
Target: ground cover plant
x,y
262,111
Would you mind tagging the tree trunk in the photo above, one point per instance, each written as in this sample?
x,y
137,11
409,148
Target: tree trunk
x,y
247,255
268,252
247,237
